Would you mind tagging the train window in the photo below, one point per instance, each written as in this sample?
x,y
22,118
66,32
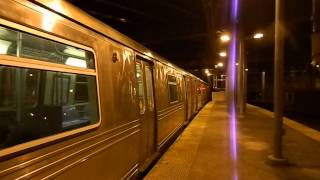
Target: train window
x,y
172,89
47,50
25,45
39,103
140,88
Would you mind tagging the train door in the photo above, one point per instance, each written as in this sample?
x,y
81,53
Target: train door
x,y
188,98
196,95
145,94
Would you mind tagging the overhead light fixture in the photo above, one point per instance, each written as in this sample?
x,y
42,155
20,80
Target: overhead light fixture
x,y
225,38
207,71
222,54
258,35
220,64
76,62
123,20
75,52
4,46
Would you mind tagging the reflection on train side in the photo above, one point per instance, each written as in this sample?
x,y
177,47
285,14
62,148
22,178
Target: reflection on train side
x,y
38,103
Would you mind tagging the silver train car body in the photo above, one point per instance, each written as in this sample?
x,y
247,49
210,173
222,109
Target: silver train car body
x,y
80,100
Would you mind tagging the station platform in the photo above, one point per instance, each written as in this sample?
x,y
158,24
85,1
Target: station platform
x,y
204,149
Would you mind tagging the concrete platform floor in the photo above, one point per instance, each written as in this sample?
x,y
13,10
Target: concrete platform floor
x,y
203,151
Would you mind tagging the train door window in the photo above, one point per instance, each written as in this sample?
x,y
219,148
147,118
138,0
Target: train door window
x,y
81,89
46,99
172,89
140,88
149,86
32,78
7,88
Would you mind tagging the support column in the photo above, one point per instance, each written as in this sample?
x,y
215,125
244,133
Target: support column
x,y
263,85
277,157
241,82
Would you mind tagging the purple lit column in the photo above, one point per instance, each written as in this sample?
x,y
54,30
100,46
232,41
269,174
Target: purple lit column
x,y
232,86
232,79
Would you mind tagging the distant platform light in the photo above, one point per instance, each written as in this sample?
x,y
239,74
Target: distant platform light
x,y
220,64
222,54
317,65
246,69
225,38
123,20
237,64
258,35
206,71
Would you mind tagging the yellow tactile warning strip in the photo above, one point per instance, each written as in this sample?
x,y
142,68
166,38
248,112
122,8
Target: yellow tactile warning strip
x,y
309,132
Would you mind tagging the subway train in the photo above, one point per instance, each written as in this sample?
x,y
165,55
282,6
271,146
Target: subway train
x,y
79,100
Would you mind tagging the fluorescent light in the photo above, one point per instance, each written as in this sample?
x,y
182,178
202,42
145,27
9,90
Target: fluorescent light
x,y
223,54
76,62
75,52
225,38
4,46
258,36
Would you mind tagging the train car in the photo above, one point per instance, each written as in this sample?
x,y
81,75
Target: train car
x,y
79,100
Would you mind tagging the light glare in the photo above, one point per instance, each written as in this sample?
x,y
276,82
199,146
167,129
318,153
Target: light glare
x,y
222,54
75,52
76,62
4,46
258,36
225,38
220,64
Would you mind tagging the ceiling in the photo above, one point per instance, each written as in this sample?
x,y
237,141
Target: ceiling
x,y
186,31
175,29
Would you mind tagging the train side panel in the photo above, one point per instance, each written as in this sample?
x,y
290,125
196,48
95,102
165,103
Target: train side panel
x,y
112,149
170,107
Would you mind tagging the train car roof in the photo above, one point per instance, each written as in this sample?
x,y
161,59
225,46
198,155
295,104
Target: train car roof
x,y
78,16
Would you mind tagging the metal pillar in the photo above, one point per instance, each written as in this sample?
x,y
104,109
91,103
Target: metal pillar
x,y
263,85
241,79
277,157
